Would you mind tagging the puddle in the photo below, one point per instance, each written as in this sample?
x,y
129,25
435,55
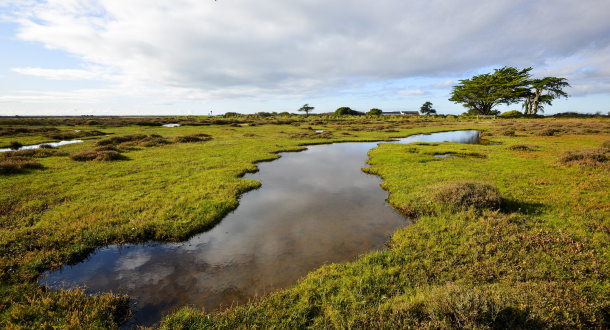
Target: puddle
x,y
37,146
314,207
443,156
465,137
171,125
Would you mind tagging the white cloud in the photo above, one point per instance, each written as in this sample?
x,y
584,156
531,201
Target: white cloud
x,y
412,92
238,48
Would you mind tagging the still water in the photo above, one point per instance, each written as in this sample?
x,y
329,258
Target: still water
x,y
37,146
314,207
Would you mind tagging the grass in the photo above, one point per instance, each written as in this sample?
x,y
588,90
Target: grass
x,y
540,260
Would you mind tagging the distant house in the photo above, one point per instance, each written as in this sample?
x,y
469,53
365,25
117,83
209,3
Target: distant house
x,y
404,113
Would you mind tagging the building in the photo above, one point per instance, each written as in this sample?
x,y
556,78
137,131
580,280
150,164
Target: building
x,y
404,113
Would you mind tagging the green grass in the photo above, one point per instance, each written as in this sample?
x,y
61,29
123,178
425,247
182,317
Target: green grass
x,y
540,260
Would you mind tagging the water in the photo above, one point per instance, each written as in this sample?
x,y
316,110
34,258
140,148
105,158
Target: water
x,y
314,207
37,146
171,125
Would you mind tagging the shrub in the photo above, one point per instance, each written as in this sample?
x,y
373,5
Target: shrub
x,y
468,194
200,137
46,146
586,157
512,114
548,132
347,111
508,132
121,139
14,145
605,144
104,155
520,147
374,112
29,153
16,165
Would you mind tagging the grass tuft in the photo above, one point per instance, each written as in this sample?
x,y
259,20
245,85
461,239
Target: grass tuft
x,y
468,194
18,165
586,157
103,155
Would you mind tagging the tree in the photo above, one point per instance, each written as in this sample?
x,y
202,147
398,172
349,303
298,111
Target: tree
x,y
306,108
544,91
482,93
374,112
427,109
347,111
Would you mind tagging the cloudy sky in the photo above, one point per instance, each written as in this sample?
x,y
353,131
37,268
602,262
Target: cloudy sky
x,y
73,57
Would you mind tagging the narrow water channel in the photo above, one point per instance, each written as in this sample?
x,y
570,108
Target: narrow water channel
x,y
314,207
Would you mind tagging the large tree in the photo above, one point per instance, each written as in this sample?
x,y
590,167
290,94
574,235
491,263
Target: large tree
x,y
544,91
427,109
306,108
482,93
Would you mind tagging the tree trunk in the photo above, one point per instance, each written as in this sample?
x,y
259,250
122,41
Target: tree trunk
x,y
536,100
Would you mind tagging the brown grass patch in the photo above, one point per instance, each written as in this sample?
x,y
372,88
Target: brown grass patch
x,y
199,137
586,157
17,165
468,194
104,155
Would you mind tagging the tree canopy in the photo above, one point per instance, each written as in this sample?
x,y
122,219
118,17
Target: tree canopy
x,y
483,92
427,109
508,85
374,112
347,111
544,91
306,108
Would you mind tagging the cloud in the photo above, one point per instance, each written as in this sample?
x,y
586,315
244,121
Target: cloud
x,y
412,92
239,48
66,74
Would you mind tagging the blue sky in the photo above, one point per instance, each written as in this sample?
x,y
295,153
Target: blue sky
x,y
166,57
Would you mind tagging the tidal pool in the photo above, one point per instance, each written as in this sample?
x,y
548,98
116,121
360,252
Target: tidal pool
x,y
314,207
37,146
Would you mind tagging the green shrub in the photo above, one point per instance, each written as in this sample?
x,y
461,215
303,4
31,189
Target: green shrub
x,y
468,194
512,114
374,112
347,111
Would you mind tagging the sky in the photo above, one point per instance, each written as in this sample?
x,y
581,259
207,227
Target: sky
x,y
190,57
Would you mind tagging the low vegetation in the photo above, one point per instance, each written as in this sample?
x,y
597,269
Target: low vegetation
x,y
520,238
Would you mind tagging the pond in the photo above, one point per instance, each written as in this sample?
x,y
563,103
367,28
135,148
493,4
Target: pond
x,y
314,207
37,146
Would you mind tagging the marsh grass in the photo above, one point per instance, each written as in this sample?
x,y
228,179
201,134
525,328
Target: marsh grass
x,y
18,165
97,155
199,137
464,195
586,157
542,262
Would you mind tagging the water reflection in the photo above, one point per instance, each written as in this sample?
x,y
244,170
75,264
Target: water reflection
x,y
466,137
314,207
37,146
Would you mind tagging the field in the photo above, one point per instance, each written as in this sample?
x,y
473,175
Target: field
x,y
525,245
